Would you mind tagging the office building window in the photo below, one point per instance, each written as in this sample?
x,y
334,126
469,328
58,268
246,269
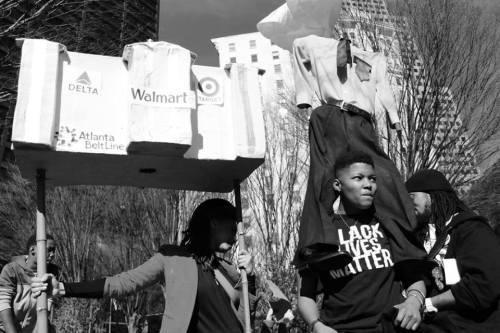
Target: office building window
x,y
277,68
232,60
253,44
254,58
279,84
232,47
276,55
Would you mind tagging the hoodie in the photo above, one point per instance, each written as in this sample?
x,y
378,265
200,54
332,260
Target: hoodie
x,y
15,293
476,250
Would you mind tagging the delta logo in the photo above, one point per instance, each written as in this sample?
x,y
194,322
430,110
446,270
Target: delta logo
x,y
83,85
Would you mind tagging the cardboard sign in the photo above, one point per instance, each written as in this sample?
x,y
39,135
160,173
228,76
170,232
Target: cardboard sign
x,y
36,115
211,85
147,119
161,97
232,113
93,102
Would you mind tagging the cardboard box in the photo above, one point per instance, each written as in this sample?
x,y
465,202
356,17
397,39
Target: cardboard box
x,y
114,125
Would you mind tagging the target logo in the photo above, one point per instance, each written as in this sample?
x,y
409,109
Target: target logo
x,y
209,86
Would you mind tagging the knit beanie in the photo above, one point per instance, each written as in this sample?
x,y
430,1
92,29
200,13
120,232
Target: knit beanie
x,y
427,180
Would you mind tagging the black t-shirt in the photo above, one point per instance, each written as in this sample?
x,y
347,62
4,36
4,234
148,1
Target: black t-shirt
x,y
212,310
356,296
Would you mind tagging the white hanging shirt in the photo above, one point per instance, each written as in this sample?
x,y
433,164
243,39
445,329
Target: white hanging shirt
x,y
315,73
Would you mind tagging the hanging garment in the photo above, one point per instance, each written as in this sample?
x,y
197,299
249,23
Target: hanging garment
x,y
228,122
36,118
300,18
332,131
162,97
316,75
345,122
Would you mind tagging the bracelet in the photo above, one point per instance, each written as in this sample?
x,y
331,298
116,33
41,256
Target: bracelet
x,y
417,291
422,305
313,323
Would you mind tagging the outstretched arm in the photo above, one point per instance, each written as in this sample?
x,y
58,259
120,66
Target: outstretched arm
x,y
121,284
84,289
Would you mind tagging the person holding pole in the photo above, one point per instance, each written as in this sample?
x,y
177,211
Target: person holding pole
x,y
17,306
201,292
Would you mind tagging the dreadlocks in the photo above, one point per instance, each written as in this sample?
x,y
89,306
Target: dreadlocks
x,y
443,205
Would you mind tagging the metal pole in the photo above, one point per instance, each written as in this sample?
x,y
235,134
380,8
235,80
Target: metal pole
x,y
41,250
242,247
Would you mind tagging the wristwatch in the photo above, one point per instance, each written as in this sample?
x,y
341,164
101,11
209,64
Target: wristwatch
x,y
429,307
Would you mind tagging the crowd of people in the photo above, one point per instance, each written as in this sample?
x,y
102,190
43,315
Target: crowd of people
x,y
385,255
443,277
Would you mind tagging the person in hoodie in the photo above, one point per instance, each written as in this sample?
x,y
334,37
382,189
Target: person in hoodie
x,y
466,284
17,305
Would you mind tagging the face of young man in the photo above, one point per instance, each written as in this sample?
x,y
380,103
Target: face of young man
x,y
358,185
51,252
422,205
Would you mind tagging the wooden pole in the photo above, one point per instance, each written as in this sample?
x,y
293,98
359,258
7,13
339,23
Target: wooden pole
x,y
110,310
41,250
242,247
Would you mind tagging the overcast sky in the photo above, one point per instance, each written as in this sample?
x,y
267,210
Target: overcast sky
x,y
192,23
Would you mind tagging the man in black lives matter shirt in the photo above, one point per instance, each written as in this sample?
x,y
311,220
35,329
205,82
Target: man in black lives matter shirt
x,y
357,296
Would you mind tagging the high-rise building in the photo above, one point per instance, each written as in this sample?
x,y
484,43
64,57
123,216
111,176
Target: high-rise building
x,y
370,26
255,49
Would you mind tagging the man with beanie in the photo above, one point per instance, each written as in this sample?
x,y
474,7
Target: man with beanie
x,y
466,284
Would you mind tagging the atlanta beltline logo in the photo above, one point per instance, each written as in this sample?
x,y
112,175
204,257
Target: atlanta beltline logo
x,y
72,138
86,82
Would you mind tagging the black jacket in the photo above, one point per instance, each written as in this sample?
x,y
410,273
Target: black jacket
x,y
477,251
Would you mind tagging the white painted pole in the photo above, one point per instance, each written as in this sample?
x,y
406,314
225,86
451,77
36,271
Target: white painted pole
x,y
41,250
